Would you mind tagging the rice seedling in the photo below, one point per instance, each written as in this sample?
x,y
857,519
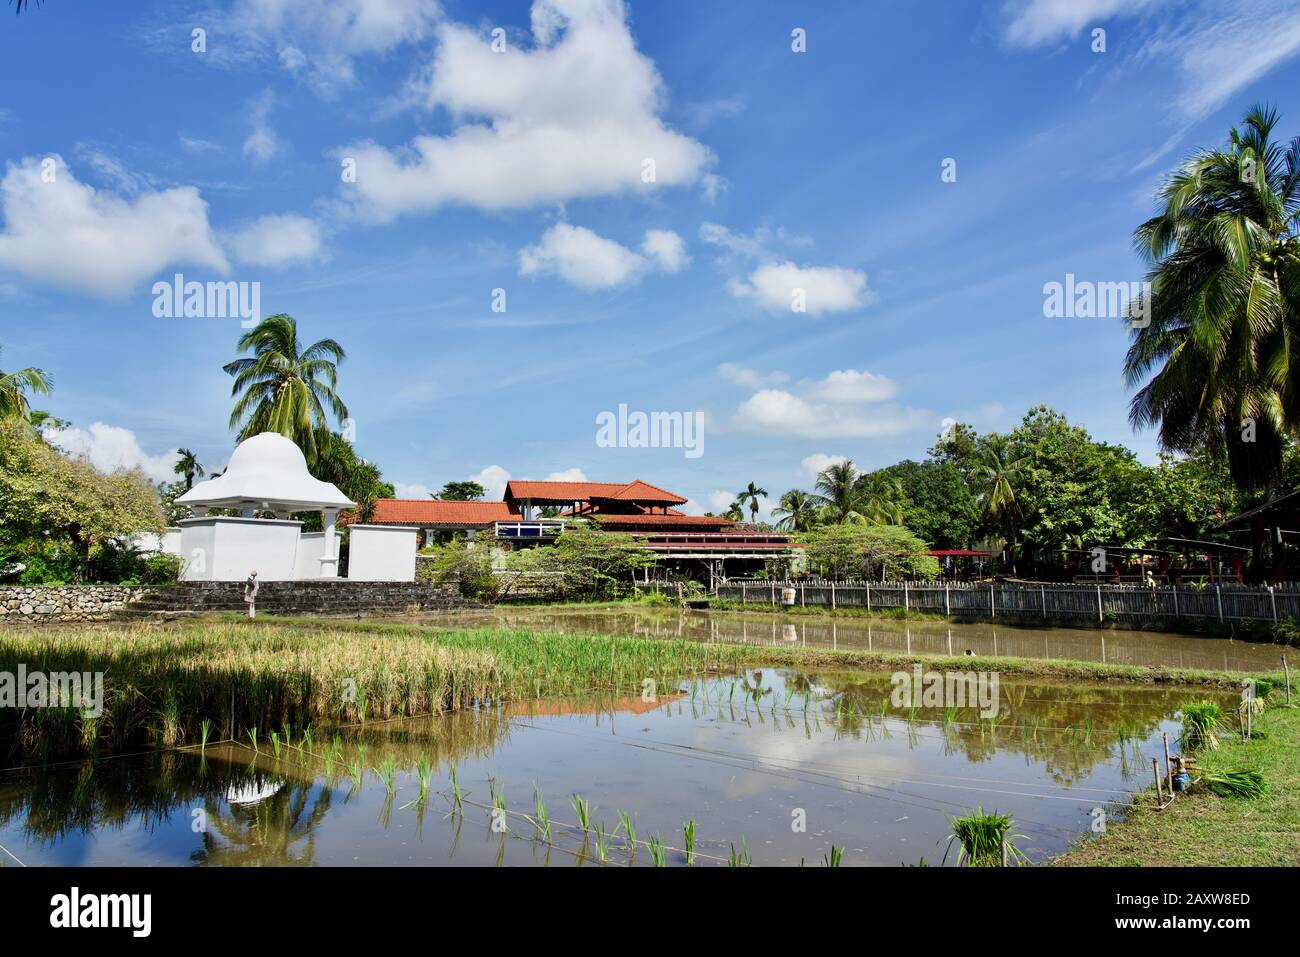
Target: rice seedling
x,y
582,809
387,772
741,858
205,731
834,858
275,744
252,736
288,735
1236,784
457,795
628,823
500,813
949,716
424,773
658,851
541,817
357,772
688,838
602,841
982,839
307,738
1200,719
170,718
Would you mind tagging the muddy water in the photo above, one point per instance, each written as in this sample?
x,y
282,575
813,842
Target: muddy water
x,y
1153,649
789,763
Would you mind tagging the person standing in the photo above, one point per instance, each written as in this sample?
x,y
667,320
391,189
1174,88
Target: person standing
x,y
250,595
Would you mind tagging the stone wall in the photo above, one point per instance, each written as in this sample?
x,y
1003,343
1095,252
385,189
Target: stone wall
x,y
40,603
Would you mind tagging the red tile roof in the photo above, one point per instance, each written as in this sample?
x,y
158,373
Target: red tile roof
x,y
426,513
661,521
635,491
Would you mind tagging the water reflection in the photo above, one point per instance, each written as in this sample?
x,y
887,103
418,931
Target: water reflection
x,y
738,755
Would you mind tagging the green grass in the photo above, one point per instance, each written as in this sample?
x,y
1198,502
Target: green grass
x,y
162,682
1203,828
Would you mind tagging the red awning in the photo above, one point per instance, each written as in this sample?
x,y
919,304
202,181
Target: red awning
x,y
957,552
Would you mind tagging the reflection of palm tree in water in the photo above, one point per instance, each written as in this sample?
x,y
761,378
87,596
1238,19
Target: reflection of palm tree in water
x,y
755,691
279,830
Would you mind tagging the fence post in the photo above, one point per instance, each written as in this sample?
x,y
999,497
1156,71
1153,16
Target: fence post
x,y
742,593
906,604
772,589
947,604
993,605
802,598
1272,598
832,594
1101,614
1218,597
1043,589
868,597
1176,611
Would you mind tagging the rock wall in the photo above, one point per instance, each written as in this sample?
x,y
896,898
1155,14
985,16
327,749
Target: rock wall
x,y
38,603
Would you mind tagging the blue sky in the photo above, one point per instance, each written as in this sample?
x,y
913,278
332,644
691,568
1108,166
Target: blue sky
x,y
522,170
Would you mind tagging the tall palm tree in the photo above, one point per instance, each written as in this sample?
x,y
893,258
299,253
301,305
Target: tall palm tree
x,y
835,483
284,388
880,499
751,495
187,465
997,474
797,511
1225,306
14,387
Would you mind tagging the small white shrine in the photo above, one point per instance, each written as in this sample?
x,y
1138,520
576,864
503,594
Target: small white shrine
x,y
268,473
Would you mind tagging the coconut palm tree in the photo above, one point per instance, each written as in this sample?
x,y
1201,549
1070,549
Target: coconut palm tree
x,y
14,387
187,465
839,499
880,499
284,388
1225,304
797,511
997,474
751,495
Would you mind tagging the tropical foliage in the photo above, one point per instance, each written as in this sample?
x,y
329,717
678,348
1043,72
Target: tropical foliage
x,y
15,389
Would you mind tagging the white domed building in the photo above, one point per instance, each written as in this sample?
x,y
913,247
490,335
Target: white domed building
x,y
268,473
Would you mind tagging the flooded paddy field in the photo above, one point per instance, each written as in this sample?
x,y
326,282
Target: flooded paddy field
x,y
783,763
1150,649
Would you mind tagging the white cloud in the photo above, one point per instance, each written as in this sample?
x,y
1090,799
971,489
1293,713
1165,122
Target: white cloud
x,y
720,501
778,412
568,475
777,286
666,249
67,233
590,261
196,145
110,447
1036,22
850,385
763,243
575,114
262,144
410,490
276,240
322,39
749,378
813,465
493,479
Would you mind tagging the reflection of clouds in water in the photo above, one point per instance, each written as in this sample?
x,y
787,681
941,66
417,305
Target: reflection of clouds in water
x,y
253,791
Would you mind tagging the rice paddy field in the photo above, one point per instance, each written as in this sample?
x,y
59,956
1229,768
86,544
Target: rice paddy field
x,y
300,742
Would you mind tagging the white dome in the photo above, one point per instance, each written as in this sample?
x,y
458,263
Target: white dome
x,y
267,471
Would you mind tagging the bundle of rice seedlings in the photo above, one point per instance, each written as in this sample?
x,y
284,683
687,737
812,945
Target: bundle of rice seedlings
x,y
980,838
1243,784
1200,718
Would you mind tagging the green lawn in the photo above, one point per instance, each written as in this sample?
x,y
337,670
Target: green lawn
x,y
1201,828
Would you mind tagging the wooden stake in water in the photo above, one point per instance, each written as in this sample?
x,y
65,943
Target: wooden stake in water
x,y
1169,768
1155,770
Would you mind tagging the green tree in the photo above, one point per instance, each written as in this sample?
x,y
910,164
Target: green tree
x,y
997,474
797,510
461,492
836,485
940,506
885,552
188,466
880,498
751,496
284,388
1225,304
14,389
46,496
337,462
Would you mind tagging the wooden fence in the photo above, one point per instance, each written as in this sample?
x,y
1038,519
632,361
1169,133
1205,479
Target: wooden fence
x,y
1048,600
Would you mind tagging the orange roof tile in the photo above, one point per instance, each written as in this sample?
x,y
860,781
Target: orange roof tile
x,y
635,491
430,512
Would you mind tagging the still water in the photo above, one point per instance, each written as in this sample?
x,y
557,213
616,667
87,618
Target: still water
x,y
790,763
1153,649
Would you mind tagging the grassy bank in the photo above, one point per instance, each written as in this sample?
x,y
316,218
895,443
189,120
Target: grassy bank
x,y
161,682
1201,828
